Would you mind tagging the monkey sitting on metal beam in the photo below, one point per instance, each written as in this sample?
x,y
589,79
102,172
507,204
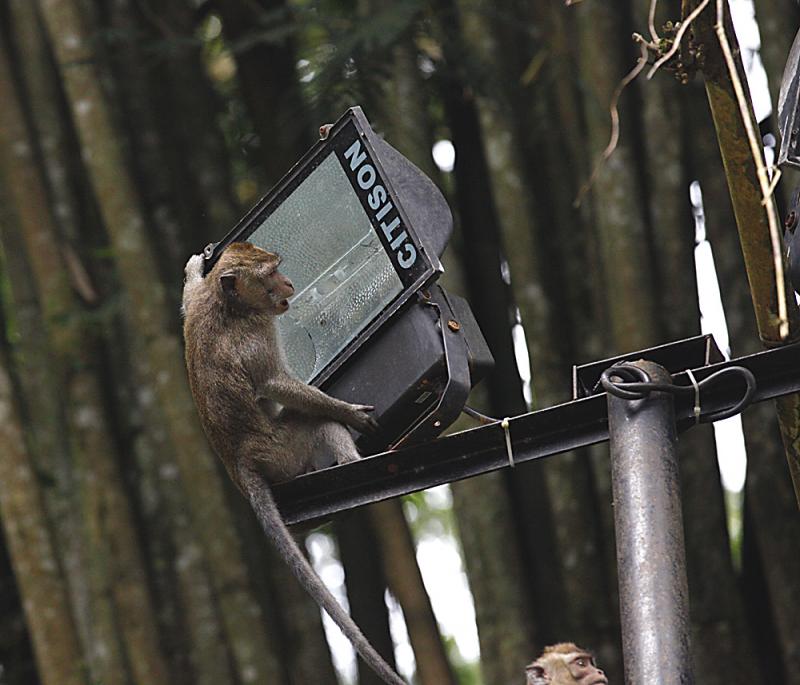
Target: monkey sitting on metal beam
x,y
265,424
564,664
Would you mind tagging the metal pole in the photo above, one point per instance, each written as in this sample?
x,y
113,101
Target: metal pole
x,y
654,602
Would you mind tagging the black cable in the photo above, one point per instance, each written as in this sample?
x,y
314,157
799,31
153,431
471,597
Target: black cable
x,y
635,384
482,418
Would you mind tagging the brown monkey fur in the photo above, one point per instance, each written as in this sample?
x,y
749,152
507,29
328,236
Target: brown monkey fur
x,y
265,424
564,664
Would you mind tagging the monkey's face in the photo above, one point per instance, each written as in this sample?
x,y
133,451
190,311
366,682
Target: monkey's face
x,y
265,289
249,279
565,665
585,672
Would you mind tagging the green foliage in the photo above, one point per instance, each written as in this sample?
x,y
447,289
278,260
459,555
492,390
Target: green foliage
x,y
347,50
467,673
234,119
430,513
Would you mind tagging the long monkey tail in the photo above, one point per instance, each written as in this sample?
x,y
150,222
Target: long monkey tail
x,y
258,492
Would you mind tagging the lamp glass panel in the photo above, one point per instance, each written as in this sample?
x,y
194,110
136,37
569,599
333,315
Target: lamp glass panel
x,y
342,275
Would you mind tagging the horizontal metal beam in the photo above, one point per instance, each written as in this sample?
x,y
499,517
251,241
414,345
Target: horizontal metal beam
x,y
535,435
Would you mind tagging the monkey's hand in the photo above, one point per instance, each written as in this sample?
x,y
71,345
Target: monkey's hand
x,y
193,270
359,417
294,394
192,283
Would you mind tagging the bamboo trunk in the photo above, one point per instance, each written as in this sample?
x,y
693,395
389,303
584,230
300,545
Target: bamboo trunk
x,y
499,580
365,583
35,561
405,582
119,206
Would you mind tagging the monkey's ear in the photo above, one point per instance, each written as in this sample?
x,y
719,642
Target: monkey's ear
x,y
228,282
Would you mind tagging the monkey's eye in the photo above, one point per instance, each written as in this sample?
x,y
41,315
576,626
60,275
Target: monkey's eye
x,y
581,662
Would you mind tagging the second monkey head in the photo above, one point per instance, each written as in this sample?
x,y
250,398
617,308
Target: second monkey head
x,y
565,664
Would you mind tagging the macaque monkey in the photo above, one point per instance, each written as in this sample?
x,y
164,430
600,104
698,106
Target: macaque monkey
x,y
265,424
564,664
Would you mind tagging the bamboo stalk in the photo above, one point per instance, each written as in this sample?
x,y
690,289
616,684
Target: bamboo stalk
x,y
405,581
253,655
117,579
35,562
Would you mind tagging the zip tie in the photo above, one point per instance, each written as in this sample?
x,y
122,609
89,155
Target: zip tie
x,y
696,396
505,426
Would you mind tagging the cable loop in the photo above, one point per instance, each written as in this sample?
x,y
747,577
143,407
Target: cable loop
x,y
630,382
634,383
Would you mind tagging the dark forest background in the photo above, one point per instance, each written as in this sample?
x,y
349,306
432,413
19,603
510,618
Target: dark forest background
x,y
134,132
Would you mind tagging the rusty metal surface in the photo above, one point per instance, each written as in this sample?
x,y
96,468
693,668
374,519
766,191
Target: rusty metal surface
x,y
740,170
751,214
648,525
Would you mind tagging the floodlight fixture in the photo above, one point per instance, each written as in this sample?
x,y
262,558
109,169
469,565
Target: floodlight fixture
x,y
789,108
789,153
360,230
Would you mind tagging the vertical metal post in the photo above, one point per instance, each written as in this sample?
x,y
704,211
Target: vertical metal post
x,y
653,592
